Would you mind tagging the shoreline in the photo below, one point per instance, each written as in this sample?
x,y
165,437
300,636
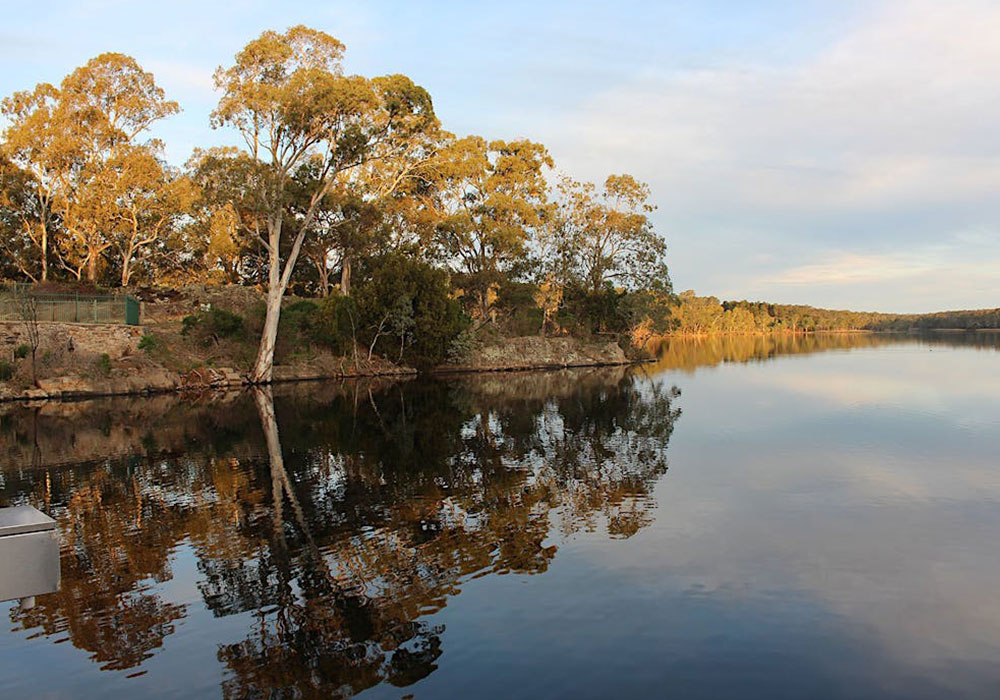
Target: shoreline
x,y
228,382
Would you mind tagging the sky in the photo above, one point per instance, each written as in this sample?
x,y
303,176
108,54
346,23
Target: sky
x,y
841,154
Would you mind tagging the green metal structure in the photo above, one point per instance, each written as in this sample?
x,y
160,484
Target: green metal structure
x,y
71,308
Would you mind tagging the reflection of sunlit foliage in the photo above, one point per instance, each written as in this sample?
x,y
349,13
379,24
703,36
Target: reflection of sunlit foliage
x,y
375,509
116,540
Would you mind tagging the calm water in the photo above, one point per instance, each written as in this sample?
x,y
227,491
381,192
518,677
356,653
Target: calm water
x,y
748,517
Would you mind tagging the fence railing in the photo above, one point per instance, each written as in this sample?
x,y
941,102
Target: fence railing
x,y
71,308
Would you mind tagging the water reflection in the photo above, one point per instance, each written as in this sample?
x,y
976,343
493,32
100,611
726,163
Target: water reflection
x,y
689,353
332,520
826,530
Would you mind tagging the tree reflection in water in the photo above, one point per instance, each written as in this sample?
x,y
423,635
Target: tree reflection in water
x,y
338,522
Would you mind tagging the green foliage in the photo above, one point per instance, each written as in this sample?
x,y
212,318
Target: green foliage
x,y
6,371
300,319
150,343
303,326
22,351
336,323
518,308
409,301
584,312
213,324
103,364
462,347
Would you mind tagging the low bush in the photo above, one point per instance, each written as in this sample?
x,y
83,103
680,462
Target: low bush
x,y
103,364
463,346
518,308
336,324
22,351
6,371
212,325
150,343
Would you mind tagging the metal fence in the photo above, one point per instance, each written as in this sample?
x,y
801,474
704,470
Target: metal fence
x,y
71,308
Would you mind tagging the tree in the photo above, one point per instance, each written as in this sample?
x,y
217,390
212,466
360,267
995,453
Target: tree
x,y
492,197
287,96
35,144
608,235
20,212
72,136
343,228
401,294
148,200
227,213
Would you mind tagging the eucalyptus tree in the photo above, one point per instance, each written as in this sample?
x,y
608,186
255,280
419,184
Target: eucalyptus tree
x,y
67,139
34,149
492,197
104,107
289,99
380,205
149,199
227,214
608,235
23,237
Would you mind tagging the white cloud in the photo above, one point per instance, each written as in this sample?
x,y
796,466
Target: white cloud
x,y
889,136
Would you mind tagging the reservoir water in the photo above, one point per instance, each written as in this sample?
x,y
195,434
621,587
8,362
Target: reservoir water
x,y
753,517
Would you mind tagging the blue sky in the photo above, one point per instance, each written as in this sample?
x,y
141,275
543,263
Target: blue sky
x,y
841,154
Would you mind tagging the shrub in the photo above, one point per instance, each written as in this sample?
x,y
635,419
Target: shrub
x,y
411,298
150,343
103,364
212,325
301,319
6,371
462,347
516,296
516,301
584,312
297,327
22,351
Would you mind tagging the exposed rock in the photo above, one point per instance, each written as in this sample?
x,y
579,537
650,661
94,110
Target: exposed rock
x,y
536,352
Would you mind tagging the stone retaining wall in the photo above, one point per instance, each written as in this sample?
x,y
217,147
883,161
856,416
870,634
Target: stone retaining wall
x,y
91,339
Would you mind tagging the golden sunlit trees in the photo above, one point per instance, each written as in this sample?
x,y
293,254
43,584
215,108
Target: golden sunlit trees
x,y
104,106
492,198
227,214
147,199
287,96
32,151
70,142
609,235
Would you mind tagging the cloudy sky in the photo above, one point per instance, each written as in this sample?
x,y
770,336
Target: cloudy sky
x,y
842,154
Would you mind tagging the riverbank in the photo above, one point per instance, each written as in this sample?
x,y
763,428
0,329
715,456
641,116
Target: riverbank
x,y
131,366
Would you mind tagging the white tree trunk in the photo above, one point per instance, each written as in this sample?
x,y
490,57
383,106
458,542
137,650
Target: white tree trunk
x,y
345,276
45,249
263,369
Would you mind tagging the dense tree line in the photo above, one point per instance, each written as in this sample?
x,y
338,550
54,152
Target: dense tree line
x,y
336,173
694,315
947,320
707,315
